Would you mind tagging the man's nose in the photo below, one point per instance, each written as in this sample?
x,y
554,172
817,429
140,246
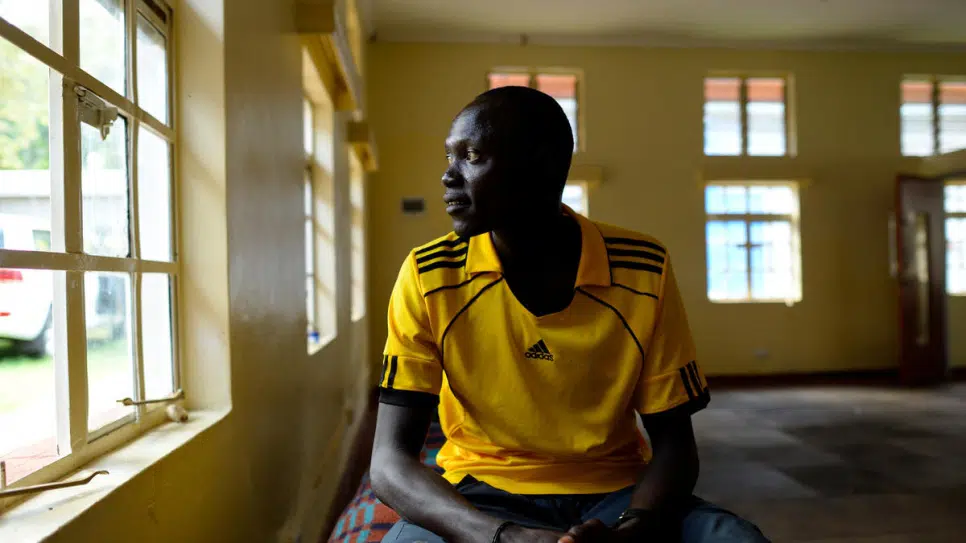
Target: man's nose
x,y
451,178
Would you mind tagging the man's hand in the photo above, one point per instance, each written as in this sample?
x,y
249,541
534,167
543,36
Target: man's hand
x,y
521,534
592,531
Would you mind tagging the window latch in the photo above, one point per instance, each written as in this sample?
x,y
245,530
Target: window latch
x,y
178,394
94,111
11,492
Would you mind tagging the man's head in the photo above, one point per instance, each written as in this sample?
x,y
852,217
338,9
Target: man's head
x,y
509,153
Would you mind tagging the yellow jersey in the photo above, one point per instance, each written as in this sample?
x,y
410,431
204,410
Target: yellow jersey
x,y
542,404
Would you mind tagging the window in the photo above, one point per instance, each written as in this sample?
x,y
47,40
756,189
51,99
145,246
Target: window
x,y
955,204
575,197
318,123
562,86
357,197
87,175
752,242
745,116
933,116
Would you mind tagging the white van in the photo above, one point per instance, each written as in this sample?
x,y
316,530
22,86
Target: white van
x,y
26,296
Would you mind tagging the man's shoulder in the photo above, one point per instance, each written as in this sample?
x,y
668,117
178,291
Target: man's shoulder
x,y
440,263
637,260
619,236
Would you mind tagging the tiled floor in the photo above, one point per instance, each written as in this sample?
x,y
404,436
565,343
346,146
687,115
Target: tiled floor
x,y
836,465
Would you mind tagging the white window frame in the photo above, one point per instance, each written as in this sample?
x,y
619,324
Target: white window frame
x,y
532,73
794,220
934,82
960,215
743,112
75,441
357,226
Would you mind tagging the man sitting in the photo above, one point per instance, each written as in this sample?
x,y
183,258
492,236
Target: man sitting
x,y
539,336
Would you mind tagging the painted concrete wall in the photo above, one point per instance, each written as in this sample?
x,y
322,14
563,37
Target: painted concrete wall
x,y
642,110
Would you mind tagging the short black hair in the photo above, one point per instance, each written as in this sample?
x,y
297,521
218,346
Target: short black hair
x,y
532,123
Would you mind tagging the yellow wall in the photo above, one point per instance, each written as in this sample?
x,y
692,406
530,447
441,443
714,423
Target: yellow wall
x,y
643,125
267,471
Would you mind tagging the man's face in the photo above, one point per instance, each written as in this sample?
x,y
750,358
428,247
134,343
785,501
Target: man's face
x,y
481,195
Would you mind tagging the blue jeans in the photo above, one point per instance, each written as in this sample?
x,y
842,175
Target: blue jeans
x,y
698,522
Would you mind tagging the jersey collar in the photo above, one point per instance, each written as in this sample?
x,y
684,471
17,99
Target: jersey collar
x,y
593,270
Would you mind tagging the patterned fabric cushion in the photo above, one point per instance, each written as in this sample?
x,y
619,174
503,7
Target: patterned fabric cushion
x,y
366,519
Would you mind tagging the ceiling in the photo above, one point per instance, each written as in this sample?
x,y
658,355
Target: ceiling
x,y
821,24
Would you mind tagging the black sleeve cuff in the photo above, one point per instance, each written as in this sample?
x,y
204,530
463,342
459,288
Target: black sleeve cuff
x,y
408,398
686,409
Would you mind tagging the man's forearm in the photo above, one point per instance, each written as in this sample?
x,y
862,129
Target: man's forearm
x,y
668,478
423,497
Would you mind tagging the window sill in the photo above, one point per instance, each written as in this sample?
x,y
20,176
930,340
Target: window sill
x,y
44,514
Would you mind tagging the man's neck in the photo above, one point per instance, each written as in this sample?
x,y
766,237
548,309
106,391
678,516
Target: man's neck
x,y
538,242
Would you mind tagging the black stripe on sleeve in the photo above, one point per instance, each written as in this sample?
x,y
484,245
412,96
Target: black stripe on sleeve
x,y
447,254
385,366
631,265
635,291
393,366
442,264
635,243
408,398
449,243
635,254
687,384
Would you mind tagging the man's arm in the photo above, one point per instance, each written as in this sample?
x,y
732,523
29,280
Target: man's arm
x,y
422,496
666,481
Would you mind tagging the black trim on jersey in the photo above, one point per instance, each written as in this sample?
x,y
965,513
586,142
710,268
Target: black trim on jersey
x,y
451,253
441,264
630,265
448,287
393,366
625,287
618,313
636,243
408,398
685,409
692,371
442,341
687,383
635,254
385,366
450,243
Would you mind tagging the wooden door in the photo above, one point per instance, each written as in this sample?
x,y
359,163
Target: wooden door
x,y
921,271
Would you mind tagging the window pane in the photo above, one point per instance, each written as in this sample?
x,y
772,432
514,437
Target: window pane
x,y
952,116
152,63
310,311
104,188
309,247
110,366
955,198
102,47
727,260
772,270
777,200
358,236
956,255
766,116
308,127
564,89
28,418
509,80
722,117
736,199
25,179
154,196
157,344
31,16
916,117
575,197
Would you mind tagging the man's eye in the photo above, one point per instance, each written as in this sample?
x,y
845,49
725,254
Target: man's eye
x,y
472,156
449,158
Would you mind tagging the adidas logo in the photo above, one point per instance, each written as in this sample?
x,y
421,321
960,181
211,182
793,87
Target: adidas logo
x,y
540,351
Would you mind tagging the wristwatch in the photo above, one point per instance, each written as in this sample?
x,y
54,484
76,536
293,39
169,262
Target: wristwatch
x,y
646,516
